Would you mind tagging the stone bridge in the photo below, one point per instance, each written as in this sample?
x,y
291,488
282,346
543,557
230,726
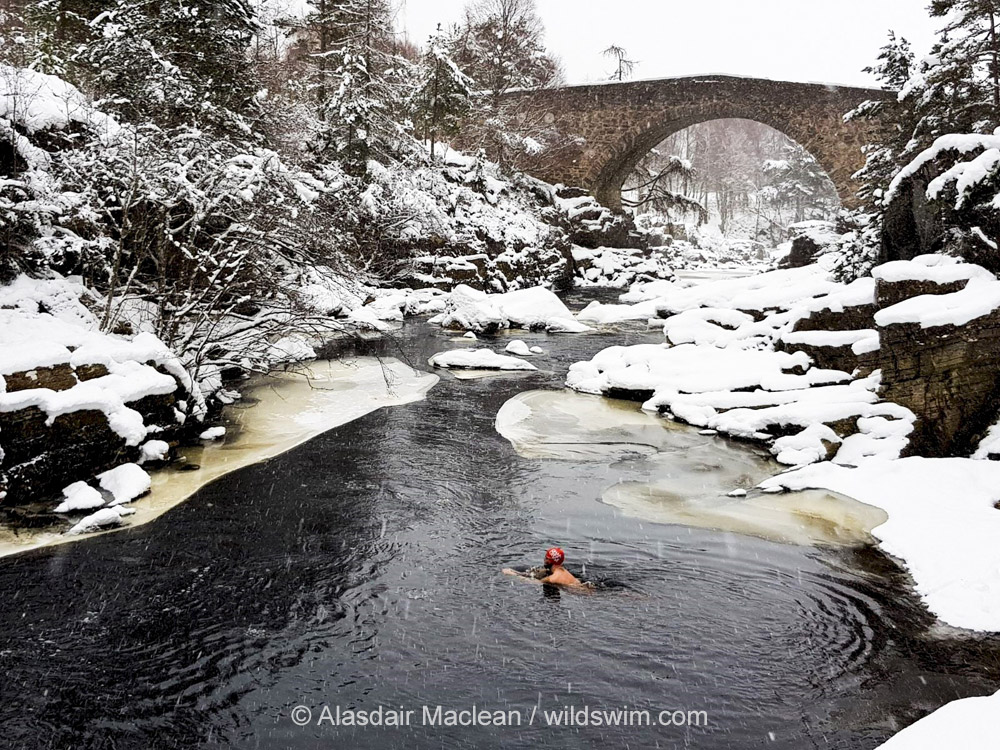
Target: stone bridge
x,y
616,124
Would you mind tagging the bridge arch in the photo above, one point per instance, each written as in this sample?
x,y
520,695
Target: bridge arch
x,y
615,124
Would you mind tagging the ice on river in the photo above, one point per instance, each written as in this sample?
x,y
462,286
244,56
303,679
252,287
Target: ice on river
x,y
276,414
805,518
569,425
694,479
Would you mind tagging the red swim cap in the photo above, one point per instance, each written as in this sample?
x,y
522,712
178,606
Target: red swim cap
x,y
554,556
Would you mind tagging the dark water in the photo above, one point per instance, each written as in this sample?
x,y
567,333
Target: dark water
x,y
361,569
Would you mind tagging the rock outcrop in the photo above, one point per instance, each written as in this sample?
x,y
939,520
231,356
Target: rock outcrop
x,y
938,347
940,352
914,224
42,453
75,401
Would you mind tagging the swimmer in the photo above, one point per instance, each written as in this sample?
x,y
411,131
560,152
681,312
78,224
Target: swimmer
x,y
553,573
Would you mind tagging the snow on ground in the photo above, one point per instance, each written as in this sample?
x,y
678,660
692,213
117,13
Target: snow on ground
x,y
945,538
748,393
478,359
719,370
536,308
969,724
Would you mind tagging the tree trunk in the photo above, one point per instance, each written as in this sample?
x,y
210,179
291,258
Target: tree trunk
x,y
995,63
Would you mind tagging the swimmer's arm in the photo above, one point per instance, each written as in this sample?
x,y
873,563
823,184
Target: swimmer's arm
x,y
528,576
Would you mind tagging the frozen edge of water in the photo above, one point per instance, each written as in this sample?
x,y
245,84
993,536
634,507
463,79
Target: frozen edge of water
x,y
292,408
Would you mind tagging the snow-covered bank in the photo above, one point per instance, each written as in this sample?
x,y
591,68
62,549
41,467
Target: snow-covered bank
x,y
290,408
969,724
74,400
721,369
943,526
744,358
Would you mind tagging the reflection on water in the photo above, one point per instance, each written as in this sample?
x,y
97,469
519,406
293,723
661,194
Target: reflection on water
x,y
278,412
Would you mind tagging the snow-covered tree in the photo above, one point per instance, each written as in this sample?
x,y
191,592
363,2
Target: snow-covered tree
x,y
967,61
895,63
797,184
361,80
175,62
443,97
894,120
501,47
661,184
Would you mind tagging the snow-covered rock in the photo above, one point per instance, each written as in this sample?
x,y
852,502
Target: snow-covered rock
x,y
619,268
478,359
213,433
153,451
533,309
102,519
79,496
518,348
125,483
56,364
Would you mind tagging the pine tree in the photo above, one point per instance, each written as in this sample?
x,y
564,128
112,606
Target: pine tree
x,y
444,94
176,62
624,67
362,81
798,185
894,120
895,63
969,53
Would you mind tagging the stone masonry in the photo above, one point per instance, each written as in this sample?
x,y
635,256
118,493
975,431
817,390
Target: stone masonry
x,y
616,124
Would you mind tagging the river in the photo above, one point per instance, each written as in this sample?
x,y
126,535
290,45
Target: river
x,y
362,569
